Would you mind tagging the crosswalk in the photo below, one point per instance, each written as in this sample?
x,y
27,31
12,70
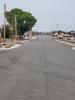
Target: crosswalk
x,y
43,37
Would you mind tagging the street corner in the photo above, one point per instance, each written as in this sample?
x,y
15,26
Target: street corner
x,y
12,47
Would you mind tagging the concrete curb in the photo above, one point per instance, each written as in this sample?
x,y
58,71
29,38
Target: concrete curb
x,y
13,47
67,43
21,42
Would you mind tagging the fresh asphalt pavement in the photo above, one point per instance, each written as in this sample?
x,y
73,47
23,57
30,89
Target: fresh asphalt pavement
x,y
42,69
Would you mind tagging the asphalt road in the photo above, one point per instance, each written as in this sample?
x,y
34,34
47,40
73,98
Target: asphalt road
x,y
41,69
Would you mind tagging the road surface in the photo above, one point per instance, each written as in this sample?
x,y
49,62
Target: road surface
x,y
41,69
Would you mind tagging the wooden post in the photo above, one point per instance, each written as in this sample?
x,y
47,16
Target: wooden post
x,y
12,27
4,20
15,26
15,37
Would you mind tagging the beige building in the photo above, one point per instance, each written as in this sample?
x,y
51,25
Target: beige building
x,y
61,35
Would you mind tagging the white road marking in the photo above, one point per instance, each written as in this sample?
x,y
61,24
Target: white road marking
x,y
73,48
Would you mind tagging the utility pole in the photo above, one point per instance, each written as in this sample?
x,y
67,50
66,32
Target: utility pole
x,y
4,20
15,26
57,26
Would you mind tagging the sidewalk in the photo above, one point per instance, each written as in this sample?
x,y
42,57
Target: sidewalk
x,y
64,42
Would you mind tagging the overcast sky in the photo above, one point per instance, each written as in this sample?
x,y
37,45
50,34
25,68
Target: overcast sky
x,y
50,14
